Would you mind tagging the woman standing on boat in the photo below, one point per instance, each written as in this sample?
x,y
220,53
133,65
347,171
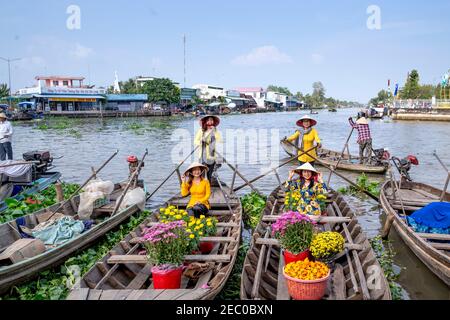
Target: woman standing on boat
x,y
306,140
307,191
195,184
207,137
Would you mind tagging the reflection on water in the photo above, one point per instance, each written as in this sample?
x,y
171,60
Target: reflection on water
x,y
89,142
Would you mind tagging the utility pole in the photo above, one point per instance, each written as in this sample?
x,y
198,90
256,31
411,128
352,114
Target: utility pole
x,y
184,46
9,74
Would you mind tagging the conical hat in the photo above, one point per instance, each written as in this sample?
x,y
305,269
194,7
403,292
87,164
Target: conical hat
x,y
306,166
2,115
362,120
306,117
195,165
216,119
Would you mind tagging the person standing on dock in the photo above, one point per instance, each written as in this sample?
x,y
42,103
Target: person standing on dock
x,y
364,138
306,140
194,183
6,132
207,137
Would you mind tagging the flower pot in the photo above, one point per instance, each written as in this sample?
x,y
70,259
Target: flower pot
x,y
290,257
167,279
206,246
306,289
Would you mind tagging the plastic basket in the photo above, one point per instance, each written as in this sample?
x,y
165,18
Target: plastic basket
x,y
306,289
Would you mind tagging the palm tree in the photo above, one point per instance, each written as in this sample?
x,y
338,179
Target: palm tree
x,y
4,91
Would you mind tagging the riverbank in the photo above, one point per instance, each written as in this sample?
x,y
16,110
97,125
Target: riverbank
x,y
421,114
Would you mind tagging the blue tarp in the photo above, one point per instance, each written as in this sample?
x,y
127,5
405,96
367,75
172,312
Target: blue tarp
x,y
60,231
434,218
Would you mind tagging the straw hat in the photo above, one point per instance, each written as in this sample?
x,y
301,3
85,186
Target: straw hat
x,y
306,117
3,115
216,119
195,165
362,120
306,166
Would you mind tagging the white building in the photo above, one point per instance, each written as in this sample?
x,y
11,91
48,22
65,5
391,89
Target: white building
x,y
257,93
276,98
208,92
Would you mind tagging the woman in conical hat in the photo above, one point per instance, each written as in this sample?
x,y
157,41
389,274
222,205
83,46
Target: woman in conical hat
x,y
307,191
206,138
364,138
195,184
306,140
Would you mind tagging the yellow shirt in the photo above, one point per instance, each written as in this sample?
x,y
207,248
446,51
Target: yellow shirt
x,y
199,192
308,143
198,142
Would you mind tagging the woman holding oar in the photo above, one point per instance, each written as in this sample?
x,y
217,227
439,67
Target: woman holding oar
x,y
195,184
306,140
207,137
307,191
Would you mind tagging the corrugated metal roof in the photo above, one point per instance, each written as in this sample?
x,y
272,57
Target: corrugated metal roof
x,y
127,97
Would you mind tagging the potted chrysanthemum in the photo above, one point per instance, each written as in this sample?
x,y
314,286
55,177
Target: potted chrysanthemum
x,y
295,232
326,245
166,244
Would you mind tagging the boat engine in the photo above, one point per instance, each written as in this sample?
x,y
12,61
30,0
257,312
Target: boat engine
x,y
42,161
404,165
381,156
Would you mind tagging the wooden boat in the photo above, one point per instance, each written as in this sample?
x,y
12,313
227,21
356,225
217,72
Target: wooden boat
x,y
21,271
43,182
352,274
432,249
348,162
332,110
122,274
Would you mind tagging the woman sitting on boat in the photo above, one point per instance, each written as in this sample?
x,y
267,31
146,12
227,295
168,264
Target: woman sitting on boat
x,y
307,191
206,138
306,140
195,184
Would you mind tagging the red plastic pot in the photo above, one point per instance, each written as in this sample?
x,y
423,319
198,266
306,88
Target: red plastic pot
x,y
167,279
290,257
206,246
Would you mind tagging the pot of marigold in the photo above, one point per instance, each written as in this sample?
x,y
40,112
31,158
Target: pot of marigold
x,y
166,244
295,232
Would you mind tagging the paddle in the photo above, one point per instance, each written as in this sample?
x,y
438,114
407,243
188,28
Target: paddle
x,y
84,184
175,170
131,179
338,174
340,157
448,176
271,170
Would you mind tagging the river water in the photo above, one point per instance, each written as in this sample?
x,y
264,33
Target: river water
x,y
86,143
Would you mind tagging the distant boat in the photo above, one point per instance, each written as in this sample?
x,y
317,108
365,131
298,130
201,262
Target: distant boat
x,y
332,110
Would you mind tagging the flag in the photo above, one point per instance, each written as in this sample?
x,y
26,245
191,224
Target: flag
x,y
396,90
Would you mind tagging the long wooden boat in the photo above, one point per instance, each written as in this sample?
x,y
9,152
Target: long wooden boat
x,y
353,272
432,249
16,273
330,158
43,182
124,275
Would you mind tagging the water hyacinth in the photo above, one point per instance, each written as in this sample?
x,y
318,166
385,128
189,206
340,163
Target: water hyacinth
x,y
166,243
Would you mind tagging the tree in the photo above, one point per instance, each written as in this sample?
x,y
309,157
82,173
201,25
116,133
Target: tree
x,y
130,87
412,87
4,91
161,90
382,97
283,90
318,95
299,96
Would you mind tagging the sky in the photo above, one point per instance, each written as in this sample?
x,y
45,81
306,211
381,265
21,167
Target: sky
x,y
352,46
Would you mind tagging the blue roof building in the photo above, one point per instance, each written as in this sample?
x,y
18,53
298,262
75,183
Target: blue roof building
x,y
125,102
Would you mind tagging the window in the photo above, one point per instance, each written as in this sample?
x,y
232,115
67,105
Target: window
x,y
55,83
65,83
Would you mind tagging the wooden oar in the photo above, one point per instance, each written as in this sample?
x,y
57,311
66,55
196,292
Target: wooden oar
x,y
448,177
174,170
133,176
340,157
271,170
340,175
84,184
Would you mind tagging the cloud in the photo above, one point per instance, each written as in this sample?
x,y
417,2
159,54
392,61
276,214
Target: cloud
x,y
317,58
80,51
261,56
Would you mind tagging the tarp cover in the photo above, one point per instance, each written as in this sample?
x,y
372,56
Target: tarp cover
x,y
16,170
60,231
434,215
